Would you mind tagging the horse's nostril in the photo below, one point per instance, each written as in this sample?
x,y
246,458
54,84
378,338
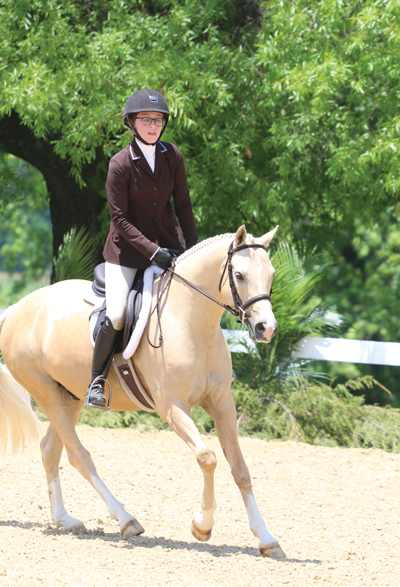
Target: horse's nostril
x,y
263,331
260,329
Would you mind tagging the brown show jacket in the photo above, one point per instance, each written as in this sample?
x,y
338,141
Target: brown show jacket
x,y
141,214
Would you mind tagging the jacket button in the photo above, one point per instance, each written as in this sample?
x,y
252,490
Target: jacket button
x,y
154,203
155,188
155,219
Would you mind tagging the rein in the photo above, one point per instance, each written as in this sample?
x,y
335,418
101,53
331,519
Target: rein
x,y
240,307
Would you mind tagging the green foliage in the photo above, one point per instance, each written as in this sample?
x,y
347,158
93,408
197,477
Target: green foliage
x,y
19,181
299,313
76,257
364,283
25,229
319,414
278,398
368,274
301,410
283,114
330,77
144,421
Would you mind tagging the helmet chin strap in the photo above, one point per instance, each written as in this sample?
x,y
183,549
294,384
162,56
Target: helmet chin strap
x,y
137,135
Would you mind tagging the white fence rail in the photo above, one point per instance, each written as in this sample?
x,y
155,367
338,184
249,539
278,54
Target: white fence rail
x,y
341,350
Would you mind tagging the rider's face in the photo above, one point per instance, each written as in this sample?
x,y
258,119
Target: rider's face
x,y
150,133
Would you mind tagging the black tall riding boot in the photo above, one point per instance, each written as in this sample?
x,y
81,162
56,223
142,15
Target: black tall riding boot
x,y
104,349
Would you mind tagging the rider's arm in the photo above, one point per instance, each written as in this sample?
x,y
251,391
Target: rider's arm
x,y
183,203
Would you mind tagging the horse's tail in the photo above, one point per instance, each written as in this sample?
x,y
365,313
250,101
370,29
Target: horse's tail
x,y
18,423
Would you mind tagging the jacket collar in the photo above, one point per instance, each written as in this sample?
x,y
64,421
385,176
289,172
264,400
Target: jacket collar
x,y
140,160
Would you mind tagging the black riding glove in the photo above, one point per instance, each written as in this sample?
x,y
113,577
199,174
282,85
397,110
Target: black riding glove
x,y
163,258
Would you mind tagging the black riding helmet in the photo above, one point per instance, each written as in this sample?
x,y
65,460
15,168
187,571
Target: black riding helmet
x,y
145,101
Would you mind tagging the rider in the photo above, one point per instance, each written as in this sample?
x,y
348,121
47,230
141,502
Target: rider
x,y
141,180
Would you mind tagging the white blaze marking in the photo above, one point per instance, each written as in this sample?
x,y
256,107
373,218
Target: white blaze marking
x,y
270,315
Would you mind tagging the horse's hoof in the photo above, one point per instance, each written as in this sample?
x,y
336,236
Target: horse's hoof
x,y
132,528
272,550
200,535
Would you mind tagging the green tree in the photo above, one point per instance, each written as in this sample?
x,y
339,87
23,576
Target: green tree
x,y
25,229
285,112
366,278
68,71
330,81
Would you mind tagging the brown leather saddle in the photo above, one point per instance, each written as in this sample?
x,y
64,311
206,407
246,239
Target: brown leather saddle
x,y
133,305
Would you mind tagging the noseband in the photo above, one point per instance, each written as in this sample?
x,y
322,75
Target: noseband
x,y
240,307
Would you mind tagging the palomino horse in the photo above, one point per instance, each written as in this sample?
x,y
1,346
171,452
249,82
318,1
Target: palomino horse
x,y
46,346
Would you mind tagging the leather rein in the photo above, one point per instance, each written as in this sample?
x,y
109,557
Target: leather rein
x,y
240,307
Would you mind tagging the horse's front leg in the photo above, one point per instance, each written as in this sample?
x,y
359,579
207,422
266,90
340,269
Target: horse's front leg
x,y
178,417
224,416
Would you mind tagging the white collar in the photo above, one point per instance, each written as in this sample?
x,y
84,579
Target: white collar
x,y
146,149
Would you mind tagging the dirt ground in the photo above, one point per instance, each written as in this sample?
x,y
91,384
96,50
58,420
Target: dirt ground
x,y
335,513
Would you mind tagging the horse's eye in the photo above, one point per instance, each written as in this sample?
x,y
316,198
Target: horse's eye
x,y
239,276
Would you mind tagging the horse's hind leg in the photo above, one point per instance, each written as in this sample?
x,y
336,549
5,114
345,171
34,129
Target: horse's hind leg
x,y
52,446
63,423
178,417
224,416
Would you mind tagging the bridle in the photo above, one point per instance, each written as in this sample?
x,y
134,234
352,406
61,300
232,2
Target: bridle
x,y
240,307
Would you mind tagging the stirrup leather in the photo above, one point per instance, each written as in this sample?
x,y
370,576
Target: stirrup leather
x,y
88,402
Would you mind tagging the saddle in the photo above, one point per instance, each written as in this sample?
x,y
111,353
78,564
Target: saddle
x,y
124,368
133,305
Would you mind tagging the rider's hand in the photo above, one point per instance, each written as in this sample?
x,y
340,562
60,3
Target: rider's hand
x,y
163,258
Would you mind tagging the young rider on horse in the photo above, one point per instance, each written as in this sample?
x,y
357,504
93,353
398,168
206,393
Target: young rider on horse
x,y
141,180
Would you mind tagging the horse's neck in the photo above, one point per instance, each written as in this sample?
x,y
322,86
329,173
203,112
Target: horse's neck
x,y
203,269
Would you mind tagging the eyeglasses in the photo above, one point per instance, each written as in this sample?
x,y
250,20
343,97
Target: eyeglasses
x,y
147,121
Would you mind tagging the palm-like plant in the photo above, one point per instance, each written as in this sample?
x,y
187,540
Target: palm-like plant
x,y
76,257
298,313
274,394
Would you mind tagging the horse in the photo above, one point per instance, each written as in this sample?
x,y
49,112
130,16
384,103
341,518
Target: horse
x,y
45,343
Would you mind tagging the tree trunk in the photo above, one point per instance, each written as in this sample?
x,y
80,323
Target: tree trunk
x,y
70,205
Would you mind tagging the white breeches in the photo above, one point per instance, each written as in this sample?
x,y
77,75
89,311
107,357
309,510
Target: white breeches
x,y
119,281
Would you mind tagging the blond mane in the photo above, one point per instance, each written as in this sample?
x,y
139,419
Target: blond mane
x,y
209,241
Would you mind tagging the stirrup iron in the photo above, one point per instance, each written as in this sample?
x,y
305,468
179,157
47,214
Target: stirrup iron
x,y
88,402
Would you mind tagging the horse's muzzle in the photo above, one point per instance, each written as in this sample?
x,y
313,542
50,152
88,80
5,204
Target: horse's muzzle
x,y
264,331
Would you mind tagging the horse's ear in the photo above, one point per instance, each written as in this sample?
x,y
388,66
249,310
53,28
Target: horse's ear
x,y
241,235
267,238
